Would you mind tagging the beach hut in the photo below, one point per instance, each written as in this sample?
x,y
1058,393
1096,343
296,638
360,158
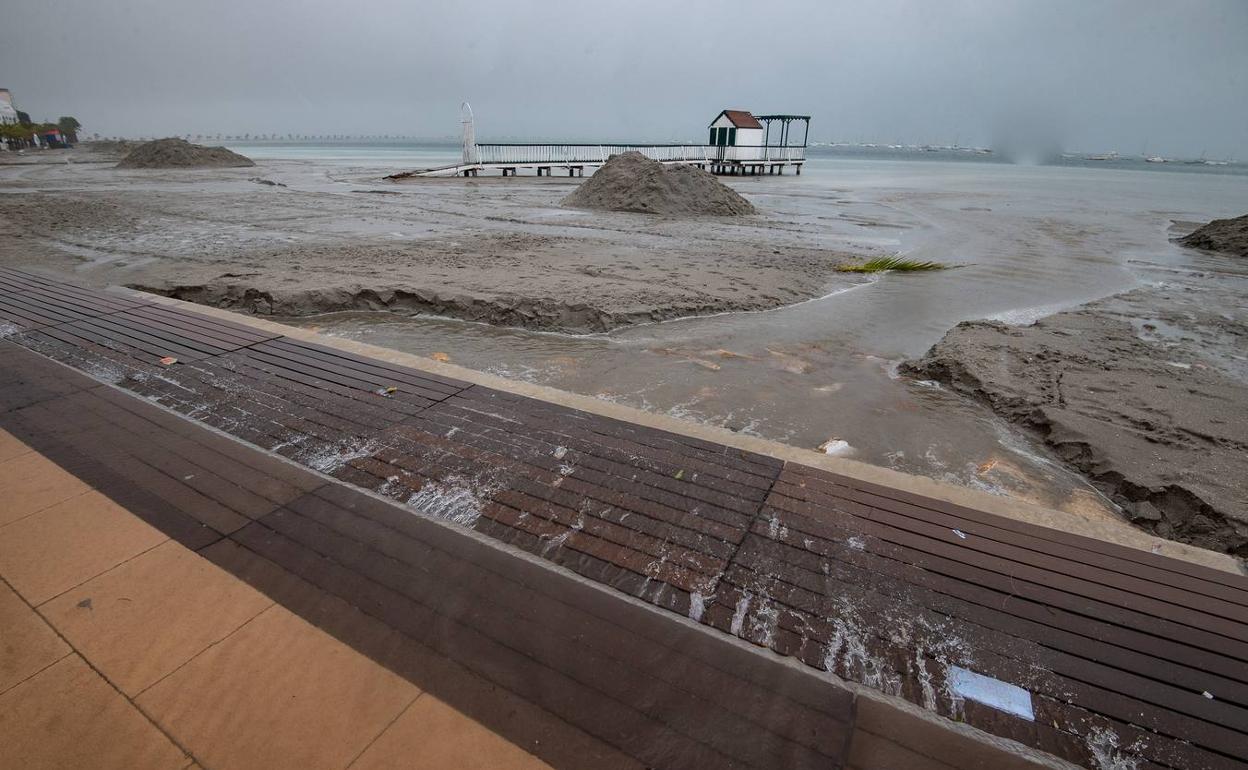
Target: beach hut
x,y
738,129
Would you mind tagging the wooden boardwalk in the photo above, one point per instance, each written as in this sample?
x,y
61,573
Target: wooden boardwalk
x,y
1121,652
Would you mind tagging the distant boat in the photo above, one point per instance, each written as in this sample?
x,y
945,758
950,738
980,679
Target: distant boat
x,y
1155,159
1107,156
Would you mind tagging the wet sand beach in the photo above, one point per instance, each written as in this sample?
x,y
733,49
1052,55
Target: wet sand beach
x,y
297,239
495,275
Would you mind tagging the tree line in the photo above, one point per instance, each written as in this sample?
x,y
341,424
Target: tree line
x,y
22,133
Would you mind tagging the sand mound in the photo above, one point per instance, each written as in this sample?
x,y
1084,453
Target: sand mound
x,y
1229,235
633,182
179,153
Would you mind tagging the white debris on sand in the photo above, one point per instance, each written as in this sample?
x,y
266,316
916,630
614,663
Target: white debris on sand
x,y
835,446
632,182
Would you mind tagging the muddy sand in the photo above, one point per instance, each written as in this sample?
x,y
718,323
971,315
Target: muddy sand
x,y
1229,236
1117,390
299,240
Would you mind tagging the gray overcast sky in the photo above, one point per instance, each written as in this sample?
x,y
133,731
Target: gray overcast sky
x,y
1118,74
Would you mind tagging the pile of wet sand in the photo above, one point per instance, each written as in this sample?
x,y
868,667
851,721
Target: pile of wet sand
x,y
1227,235
633,182
1160,432
179,153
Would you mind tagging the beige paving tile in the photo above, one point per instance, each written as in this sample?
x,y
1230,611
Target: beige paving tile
x,y
54,550
433,736
278,693
30,482
27,644
10,447
68,717
141,620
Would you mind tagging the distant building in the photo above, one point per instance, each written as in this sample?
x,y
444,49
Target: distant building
x,y
52,137
8,113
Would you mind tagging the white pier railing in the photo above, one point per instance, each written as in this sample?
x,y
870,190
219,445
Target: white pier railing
x,y
595,154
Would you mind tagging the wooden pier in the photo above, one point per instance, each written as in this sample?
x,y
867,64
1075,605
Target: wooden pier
x,y
755,154
573,159
398,526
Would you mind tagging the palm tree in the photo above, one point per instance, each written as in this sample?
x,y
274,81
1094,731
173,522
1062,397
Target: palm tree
x,y
69,127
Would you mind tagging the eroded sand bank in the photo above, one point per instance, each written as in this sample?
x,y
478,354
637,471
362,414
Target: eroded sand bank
x,y
1143,392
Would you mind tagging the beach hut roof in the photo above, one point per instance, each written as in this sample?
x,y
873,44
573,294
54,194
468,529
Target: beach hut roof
x,y
740,118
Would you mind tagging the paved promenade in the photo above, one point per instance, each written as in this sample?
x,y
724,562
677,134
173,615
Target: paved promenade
x,y
599,592
124,649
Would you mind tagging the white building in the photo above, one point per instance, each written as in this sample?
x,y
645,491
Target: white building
x,y
738,129
8,113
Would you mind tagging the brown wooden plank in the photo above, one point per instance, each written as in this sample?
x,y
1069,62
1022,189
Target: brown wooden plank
x,y
184,318
1160,562
1073,548
382,370
69,295
336,371
23,315
448,384
1049,586
985,545
207,340
411,403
